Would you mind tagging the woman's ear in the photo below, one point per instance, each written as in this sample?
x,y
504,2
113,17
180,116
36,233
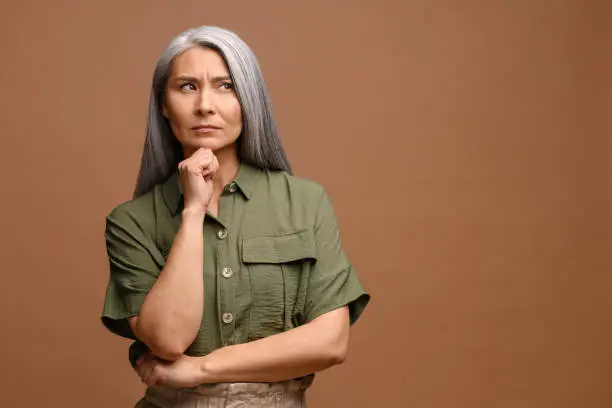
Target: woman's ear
x,y
165,111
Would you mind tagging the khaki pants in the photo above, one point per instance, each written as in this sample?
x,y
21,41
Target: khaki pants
x,y
286,394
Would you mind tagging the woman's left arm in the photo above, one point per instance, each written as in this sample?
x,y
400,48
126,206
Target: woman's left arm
x,y
312,347
304,350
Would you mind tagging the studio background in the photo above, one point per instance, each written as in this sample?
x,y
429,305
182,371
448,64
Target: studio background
x,y
466,146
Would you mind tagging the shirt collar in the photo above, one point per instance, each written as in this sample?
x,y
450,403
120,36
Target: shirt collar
x,y
245,180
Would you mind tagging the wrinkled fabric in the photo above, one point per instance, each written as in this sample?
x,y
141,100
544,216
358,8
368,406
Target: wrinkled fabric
x,y
286,394
273,259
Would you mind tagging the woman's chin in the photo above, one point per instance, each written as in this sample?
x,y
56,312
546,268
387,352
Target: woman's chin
x,y
214,145
208,143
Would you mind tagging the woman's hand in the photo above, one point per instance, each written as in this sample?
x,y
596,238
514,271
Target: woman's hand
x,y
196,174
185,372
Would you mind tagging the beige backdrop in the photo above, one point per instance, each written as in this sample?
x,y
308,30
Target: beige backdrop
x,y
466,145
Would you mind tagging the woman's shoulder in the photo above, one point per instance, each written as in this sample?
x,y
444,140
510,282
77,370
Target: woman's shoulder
x,y
134,205
137,212
294,190
296,184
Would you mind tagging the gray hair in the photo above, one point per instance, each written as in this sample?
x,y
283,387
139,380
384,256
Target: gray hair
x,y
258,144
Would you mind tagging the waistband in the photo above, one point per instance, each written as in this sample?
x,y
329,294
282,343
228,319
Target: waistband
x,y
166,396
262,389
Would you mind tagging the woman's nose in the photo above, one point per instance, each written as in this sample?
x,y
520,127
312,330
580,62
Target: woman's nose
x,y
205,103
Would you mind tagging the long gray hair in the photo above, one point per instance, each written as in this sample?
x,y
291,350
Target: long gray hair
x,y
258,144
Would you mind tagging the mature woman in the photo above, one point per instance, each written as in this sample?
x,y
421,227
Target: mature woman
x,y
225,269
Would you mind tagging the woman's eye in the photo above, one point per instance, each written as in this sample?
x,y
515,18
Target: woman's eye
x,y
227,85
188,86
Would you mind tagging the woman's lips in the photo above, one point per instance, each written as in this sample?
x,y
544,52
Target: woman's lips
x,y
205,129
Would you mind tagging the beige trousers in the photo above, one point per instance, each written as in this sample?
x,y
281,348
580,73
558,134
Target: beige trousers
x,y
286,394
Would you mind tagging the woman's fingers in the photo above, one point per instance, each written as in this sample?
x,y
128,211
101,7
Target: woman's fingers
x,y
144,365
154,376
202,162
147,369
210,168
201,158
144,356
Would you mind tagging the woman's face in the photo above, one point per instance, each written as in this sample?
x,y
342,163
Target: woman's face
x,y
201,103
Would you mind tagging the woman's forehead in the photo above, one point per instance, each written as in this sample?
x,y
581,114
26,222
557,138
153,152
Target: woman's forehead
x,y
198,61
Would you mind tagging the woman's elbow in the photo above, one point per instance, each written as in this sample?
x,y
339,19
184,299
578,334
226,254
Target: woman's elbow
x,y
338,352
335,349
334,329
164,347
168,352
169,347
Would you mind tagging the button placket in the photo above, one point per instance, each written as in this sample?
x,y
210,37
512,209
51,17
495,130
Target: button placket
x,y
227,318
229,313
222,233
227,272
225,286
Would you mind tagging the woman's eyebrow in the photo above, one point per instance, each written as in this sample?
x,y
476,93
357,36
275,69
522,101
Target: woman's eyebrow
x,y
221,78
194,79
186,78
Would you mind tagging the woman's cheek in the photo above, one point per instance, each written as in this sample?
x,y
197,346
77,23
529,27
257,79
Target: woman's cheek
x,y
237,112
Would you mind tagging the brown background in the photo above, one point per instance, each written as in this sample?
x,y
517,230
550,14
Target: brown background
x,y
466,145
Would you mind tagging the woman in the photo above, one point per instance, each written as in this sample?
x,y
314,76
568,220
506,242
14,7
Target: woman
x,y
225,269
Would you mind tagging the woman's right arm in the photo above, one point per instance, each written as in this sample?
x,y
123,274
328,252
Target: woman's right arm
x,y
171,314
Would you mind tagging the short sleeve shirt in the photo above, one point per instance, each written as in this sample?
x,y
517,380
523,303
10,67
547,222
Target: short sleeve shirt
x,y
273,258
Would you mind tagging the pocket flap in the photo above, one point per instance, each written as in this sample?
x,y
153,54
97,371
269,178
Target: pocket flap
x,y
279,248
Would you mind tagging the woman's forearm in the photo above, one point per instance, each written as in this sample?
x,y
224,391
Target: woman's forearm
x,y
171,314
304,350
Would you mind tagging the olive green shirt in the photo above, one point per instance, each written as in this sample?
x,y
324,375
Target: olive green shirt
x,y
272,258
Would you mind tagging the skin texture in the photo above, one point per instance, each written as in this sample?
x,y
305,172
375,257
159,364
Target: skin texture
x,y
200,92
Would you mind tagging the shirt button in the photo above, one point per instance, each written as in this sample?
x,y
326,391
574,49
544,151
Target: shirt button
x,y
222,233
228,318
227,272
233,187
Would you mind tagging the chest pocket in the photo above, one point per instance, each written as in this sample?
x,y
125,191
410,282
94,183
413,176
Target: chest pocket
x,y
279,267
